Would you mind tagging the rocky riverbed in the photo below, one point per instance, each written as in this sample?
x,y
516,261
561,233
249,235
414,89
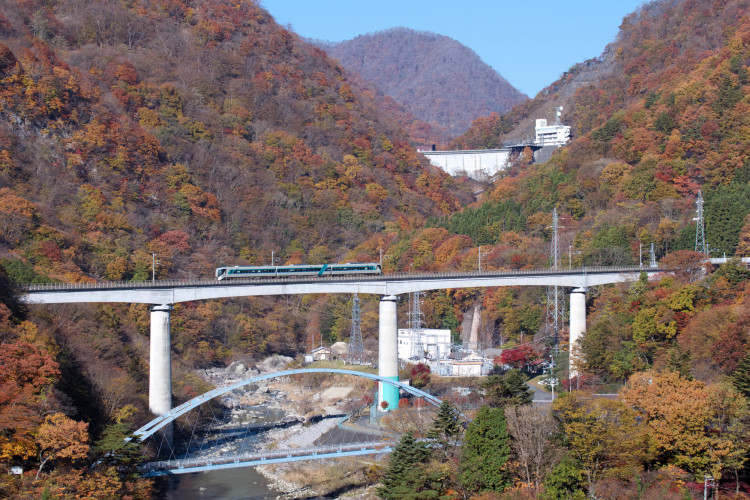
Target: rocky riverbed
x,y
309,413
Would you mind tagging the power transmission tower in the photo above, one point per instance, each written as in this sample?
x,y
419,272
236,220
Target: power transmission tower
x,y
356,354
652,263
555,298
415,325
700,228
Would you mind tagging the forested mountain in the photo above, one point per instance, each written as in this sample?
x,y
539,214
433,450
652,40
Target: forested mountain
x,y
177,129
195,133
202,133
434,77
660,117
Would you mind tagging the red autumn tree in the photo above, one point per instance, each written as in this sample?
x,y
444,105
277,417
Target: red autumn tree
x,y
521,357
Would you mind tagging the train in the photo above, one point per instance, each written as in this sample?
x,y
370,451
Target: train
x,y
225,272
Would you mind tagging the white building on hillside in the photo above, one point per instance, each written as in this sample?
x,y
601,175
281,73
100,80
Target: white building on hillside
x,y
551,135
435,343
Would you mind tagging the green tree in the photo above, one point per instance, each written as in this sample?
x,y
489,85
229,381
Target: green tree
x,y
509,389
741,376
564,482
664,123
117,446
406,476
725,210
485,452
445,429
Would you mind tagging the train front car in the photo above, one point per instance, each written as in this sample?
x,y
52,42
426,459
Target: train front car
x,y
221,273
355,268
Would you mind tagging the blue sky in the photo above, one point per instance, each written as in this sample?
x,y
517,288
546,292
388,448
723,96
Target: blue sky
x,y
530,43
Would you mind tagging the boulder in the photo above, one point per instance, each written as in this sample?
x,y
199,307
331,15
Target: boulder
x,y
340,349
274,364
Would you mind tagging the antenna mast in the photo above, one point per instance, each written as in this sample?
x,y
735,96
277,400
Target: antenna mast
x,y
356,354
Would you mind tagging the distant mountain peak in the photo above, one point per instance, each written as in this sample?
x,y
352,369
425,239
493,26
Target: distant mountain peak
x,y
434,77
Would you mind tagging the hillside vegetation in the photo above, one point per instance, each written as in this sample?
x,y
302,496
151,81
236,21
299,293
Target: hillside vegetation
x,y
201,133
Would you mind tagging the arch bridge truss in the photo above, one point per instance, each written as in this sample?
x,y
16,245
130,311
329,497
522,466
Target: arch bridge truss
x,y
241,425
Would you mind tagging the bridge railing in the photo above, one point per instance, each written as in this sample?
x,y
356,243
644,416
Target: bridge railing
x,y
173,283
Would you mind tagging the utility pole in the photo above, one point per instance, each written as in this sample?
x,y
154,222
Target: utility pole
x,y
153,267
708,481
356,354
551,381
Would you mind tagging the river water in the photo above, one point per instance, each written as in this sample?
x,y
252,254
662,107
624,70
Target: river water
x,y
239,483
243,483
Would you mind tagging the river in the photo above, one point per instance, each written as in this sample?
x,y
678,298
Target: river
x,y
243,483
227,484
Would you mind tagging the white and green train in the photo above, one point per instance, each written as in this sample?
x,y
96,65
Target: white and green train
x,y
297,270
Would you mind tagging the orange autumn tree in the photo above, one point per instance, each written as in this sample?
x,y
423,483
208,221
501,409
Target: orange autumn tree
x,y
693,426
26,375
17,216
60,437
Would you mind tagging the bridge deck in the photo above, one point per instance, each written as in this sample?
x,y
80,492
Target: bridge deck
x,y
174,291
198,464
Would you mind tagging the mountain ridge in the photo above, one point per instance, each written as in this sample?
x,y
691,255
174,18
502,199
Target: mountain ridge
x,y
434,77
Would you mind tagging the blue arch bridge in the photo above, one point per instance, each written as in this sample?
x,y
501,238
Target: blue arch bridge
x,y
259,421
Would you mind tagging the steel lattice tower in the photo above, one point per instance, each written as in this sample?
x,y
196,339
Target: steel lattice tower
x,y
700,228
356,354
415,325
555,299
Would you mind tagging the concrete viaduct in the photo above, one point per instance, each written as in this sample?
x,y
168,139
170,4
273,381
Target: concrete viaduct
x,y
162,295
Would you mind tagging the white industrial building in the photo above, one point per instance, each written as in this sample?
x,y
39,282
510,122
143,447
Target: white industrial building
x,y
434,343
551,135
473,365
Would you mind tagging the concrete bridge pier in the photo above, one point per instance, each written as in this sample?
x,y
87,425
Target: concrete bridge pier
x,y
577,327
388,352
160,361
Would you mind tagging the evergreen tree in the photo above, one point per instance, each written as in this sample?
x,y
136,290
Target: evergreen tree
x,y
113,447
741,376
485,452
509,389
445,429
407,476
